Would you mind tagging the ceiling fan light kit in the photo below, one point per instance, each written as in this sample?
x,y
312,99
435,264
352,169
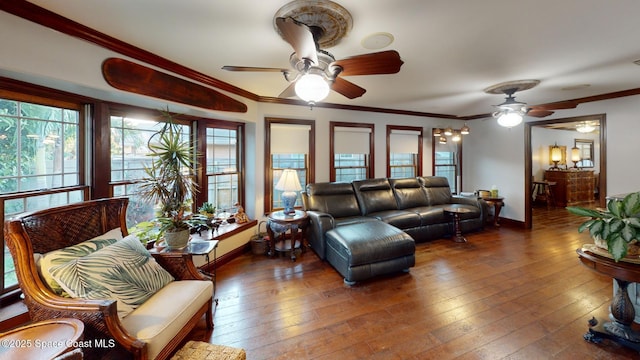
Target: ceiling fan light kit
x,y
312,88
511,112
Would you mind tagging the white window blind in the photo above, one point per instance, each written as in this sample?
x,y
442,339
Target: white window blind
x,y
404,141
289,139
351,140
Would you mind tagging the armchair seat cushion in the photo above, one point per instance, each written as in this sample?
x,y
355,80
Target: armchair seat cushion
x,y
164,314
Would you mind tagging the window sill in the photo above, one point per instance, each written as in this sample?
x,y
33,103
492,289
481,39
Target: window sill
x,y
226,231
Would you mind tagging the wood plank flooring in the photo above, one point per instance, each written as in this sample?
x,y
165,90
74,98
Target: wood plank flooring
x,y
506,294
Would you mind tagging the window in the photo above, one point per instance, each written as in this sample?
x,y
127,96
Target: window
x,y
289,145
129,147
404,151
351,151
223,165
41,161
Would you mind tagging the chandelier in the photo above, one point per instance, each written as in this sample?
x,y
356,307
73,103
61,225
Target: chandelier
x,y
455,134
585,127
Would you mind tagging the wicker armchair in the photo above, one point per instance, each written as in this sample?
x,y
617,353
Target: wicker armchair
x,y
47,230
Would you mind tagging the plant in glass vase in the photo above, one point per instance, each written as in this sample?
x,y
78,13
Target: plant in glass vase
x,y
169,181
615,228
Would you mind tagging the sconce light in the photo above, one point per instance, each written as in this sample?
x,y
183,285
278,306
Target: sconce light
x,y
556,155
575,156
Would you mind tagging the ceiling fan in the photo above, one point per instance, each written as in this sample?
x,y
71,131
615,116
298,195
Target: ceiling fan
x,y
310,63
511,112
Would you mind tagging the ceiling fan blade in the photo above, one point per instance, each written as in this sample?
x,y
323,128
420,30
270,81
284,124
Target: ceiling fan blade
x,y
290,91
250,68
539,113
300,37
559,105
346,88
385,62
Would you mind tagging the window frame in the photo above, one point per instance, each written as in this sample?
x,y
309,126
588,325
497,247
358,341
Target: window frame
x,y
369,159
201,146
24,93
268,175
417,161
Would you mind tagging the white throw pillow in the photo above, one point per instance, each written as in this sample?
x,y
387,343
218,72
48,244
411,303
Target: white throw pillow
x,y
124,271
63,256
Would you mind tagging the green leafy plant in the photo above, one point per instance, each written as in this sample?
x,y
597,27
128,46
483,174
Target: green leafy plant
x,y
207,209
618,225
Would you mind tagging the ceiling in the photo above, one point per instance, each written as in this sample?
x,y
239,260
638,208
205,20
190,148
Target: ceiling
x,y
452,50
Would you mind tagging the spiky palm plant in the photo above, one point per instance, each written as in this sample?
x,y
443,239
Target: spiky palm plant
x,y
169,179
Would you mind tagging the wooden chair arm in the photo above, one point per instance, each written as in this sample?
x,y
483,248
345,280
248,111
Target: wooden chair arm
x,y
179,265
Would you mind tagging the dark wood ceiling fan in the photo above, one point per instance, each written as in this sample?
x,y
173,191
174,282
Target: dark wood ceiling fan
x,y
309,58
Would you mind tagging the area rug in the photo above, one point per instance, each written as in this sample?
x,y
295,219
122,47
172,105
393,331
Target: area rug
x,y
204,351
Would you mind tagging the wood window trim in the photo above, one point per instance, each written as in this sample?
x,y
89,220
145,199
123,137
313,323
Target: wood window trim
x,y
332,126
390,129
268,179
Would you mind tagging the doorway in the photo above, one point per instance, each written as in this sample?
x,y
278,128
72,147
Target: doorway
x,y
566,124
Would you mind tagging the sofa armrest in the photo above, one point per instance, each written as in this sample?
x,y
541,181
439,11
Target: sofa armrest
x,y
319,223
457,199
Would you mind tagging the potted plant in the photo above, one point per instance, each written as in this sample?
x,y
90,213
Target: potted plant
x,y
614,228
169,182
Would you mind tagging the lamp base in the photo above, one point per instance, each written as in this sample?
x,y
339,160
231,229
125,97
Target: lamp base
x,y
289,202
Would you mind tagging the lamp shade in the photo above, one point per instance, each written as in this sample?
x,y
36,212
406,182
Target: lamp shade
x,y
312,88
556,153
575,154
289,181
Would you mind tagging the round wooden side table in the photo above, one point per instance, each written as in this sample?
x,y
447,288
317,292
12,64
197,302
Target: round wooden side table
x,y
42,340
278,223
455,212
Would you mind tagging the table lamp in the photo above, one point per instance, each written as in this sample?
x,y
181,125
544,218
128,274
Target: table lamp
x,y
289,185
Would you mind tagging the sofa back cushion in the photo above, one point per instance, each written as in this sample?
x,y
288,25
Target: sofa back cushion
x,y
437,189
337,199
374,195
408,192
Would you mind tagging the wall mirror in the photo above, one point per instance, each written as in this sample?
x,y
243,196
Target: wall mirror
x,y
585,148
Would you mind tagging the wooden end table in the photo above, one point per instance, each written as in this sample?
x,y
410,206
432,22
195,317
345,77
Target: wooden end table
x,y
42,340
455,212
278,223
497,203
621,310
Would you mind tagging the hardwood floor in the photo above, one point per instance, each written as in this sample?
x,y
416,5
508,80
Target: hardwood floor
x,y
506,294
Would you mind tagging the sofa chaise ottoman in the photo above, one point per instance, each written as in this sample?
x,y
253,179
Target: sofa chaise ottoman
x,y
364,250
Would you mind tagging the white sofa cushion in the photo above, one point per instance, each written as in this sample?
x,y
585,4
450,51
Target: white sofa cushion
x,y
164,314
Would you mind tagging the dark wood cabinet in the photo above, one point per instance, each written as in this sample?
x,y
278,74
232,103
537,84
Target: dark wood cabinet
x,y
572,186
